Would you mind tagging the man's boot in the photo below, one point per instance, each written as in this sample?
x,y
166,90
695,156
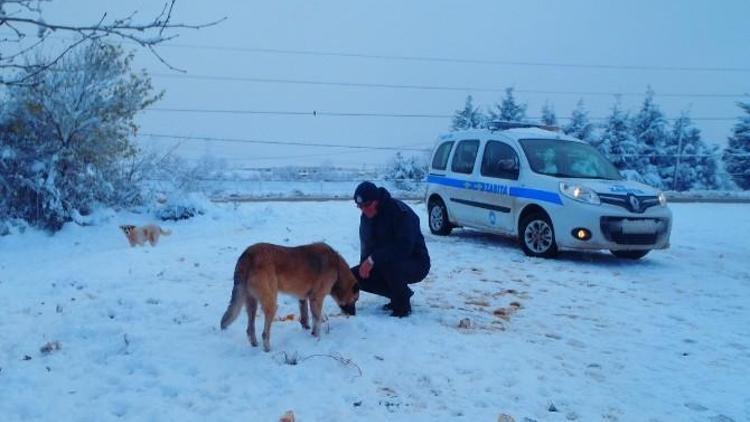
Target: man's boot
x,y
401,310
389,306
402,307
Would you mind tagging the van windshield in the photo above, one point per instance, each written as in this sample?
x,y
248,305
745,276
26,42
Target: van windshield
x,y
555,157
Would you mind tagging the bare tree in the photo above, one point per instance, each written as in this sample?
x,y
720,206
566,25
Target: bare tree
x,y
23,19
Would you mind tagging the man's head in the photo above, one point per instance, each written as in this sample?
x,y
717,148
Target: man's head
x,y
367,197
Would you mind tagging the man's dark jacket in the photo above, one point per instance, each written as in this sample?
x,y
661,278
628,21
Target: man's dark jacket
x,y
393,234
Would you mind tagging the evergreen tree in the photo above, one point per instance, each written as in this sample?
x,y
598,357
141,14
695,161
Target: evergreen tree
x,y
469,117
579,126
549,117
650,130
508,109
64,138
690,163
736,156
617,141
406,172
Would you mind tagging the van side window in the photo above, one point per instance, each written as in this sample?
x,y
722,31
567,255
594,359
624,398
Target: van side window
x,y
499,160
464,157
440,160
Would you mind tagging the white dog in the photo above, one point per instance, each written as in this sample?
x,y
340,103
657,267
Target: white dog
x,y
139,235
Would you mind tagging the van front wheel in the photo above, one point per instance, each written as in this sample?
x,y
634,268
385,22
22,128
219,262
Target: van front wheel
x,y
537,236
438,216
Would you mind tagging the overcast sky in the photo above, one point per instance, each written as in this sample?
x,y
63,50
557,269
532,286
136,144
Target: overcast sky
x,y
423,58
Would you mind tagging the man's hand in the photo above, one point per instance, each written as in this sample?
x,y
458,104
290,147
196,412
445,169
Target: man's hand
x,y
365,267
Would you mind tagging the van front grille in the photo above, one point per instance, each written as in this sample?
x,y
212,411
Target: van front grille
x,y
615,229
634,203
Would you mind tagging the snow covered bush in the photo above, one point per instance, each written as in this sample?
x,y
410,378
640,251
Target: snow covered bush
x,y
172,173
179,207
65,137
407,173
172,188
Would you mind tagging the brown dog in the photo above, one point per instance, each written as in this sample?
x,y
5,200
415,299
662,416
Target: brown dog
x,y
139,235
309,272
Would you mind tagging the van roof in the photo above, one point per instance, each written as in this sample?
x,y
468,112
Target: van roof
x,y
494,125
515,133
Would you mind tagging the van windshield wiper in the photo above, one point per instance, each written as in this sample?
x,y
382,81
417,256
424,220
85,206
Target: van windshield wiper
x,y
574,176
562,175
601,177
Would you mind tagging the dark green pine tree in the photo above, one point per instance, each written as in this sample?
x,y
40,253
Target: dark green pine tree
x,y
508,110
736,156
469,117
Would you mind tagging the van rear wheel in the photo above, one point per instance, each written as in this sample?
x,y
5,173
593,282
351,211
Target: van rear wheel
x,y
537,236
438,215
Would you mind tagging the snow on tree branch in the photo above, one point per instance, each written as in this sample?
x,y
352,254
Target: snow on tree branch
x,y
24,18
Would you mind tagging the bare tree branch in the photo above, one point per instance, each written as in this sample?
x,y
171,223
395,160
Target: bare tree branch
x,y
26,18
32,70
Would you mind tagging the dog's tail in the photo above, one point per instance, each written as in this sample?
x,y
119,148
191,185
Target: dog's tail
x,y
165,232
239,295
235,305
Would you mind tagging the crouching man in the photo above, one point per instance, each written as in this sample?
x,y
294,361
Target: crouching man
x,y
393,253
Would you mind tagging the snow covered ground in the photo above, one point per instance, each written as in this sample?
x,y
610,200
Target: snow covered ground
x,y
132,333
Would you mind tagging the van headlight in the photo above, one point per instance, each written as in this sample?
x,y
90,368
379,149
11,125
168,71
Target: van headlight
x,y
579,193
662,199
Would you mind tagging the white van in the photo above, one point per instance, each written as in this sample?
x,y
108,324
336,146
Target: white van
x,y
549,190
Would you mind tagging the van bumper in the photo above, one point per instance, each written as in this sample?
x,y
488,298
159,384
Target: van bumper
x,y
612,228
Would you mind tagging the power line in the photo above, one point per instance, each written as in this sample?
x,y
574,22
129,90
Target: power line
x,y
383,148
273,142
317,155
316,113
431,87
291,157
312,113
436,59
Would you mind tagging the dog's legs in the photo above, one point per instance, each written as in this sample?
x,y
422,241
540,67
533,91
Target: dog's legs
x,y
269,311
304,317
316,307
251,308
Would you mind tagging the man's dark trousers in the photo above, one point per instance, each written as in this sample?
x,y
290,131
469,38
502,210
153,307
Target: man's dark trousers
x,y
392,279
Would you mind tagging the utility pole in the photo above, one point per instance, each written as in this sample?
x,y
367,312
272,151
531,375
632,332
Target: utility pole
x,y
677,165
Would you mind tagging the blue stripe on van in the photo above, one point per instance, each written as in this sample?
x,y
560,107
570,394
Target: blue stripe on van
x,y
442,180
541,195
500,189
